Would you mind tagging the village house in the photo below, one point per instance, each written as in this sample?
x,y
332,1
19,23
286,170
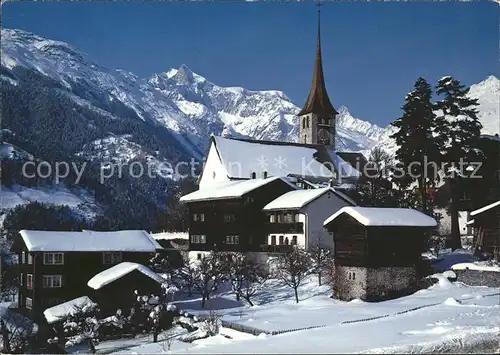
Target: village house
x,y
229,216
377,250
296,218
55,267
486,225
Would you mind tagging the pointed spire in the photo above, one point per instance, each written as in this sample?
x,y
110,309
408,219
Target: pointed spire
x,y
318,101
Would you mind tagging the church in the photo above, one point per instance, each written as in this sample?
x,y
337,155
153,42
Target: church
x,y
242,176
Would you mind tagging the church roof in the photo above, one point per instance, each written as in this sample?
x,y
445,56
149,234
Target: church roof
x,y
243,157
318,101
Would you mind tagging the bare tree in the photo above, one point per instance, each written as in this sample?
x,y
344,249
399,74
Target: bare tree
x,y
246,276
293,267
16,332
321,257
208,274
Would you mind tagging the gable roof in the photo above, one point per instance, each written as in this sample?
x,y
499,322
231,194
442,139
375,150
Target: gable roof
x,y
230,190
69,308
242,157
300,198
89,241
485,208
385,217
118,271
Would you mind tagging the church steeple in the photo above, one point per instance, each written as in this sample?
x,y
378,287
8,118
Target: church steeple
x,y
318,101
317,118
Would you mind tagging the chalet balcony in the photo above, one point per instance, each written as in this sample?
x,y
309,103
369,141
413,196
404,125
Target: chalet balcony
x,y
276,249
276,228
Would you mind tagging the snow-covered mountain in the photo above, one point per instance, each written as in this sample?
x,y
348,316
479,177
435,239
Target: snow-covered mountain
x,y
186,103
192,107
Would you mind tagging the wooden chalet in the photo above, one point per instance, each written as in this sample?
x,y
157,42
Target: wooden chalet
x,y
377,250
55,267
486,223
229,216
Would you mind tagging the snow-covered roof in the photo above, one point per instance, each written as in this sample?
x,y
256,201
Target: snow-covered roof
x,y
87,240
387,217
492,137
485,208
229,190
66,309
118,271
170,235
299,198
242,157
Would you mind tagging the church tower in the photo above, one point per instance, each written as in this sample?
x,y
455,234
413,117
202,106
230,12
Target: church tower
x,y
317,118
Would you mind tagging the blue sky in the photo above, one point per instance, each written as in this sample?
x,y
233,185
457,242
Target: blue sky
x,y
372,52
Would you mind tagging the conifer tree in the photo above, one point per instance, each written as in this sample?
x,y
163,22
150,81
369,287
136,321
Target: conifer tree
x,y
459,127
418,153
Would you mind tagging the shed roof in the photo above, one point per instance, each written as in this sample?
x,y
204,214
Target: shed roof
x,y
118,271
385,217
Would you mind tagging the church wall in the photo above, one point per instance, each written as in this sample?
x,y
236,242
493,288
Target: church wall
x,y
214,170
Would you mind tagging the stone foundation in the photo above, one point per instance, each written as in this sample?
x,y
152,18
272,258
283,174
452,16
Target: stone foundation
x,y
373,283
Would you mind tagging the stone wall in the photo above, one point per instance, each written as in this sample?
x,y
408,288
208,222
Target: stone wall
x,y
350,282
478,277
387,281
373,283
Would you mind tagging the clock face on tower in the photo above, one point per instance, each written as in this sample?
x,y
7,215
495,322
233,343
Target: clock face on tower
x,y
323,136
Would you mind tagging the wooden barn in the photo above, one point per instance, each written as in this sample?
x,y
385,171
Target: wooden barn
x,y
114,288
376,250
486,224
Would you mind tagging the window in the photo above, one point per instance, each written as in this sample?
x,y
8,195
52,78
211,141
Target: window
x,y
52,281
29,281
307,124
53,258
273,240
202,217
294,240
232,239
111,258
198,256
229,218
29,303
195,217
280,218
354,276
30,258
254,175
23,257
198,239
286,241
289,218
281,239
272,218
21,279
303,122
349,276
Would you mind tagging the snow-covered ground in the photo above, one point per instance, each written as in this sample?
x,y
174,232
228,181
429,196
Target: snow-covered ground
x,y
447,315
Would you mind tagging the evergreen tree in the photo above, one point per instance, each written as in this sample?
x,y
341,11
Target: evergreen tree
x,y
418,152
459,127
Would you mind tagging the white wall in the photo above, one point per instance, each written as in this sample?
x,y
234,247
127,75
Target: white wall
x,y
317,212
214,170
